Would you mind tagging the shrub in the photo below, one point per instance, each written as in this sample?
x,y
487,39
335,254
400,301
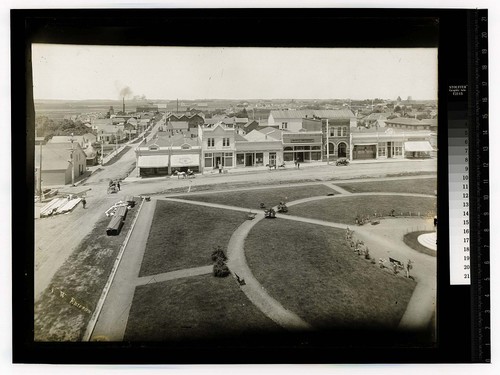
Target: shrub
x,y
221,269
218,253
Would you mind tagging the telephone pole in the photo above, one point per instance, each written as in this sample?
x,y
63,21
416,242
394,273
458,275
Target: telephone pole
x,y
40,174
72,162
327,143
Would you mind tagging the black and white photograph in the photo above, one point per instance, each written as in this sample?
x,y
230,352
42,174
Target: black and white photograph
x,y
249,186
229,193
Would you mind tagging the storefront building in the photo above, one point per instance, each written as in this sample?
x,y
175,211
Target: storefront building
x,y
258,149
302,146
390,144
218,147
166,154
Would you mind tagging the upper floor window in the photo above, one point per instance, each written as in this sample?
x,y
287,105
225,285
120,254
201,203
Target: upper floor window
x,y
225,142
211,142
284,125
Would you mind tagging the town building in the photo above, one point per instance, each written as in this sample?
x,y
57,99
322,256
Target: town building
x,y
218,146
175,152
292,120
389,143
302,146
58,162
258,149
408,123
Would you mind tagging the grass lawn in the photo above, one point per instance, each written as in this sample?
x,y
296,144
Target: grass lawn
x,y
411,239
419,186
64,309
270,197
193,308
184,235
311,271
345,209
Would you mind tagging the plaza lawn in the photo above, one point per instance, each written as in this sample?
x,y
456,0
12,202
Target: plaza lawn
x,y
200,307
418,186
310,271
270,197
184,235
64,309
344,209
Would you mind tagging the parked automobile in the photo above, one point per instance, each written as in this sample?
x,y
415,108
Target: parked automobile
x,y
342,162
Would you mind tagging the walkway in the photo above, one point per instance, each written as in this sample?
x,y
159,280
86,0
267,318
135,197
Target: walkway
x,y
112,322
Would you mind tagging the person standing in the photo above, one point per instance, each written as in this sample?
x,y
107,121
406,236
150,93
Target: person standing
x,y
118,185
84,202
298,163
220,167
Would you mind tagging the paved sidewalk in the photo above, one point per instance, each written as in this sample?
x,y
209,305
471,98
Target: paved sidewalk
x,y
112,321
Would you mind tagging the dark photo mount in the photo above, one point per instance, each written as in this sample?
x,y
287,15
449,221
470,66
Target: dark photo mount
x,y
458,337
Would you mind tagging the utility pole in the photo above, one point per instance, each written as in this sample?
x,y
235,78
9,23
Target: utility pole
x,y
169,170
102,151
40,173
327,143
72,162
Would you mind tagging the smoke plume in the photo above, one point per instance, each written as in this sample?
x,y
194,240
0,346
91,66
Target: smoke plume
x,y
125,92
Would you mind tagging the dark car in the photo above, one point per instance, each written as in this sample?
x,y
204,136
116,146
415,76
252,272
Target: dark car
x,y
342,162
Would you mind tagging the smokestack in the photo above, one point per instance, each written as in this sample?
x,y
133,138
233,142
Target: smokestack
x,y
123,105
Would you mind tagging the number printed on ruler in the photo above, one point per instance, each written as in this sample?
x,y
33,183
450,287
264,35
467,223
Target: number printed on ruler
x,y
466,213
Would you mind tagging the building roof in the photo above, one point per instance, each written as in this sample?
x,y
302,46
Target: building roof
x,y
102,121
109,129
250,122
55,156
407,121
272,132
178,125
88,137
176,140
240,138
326,113
376,116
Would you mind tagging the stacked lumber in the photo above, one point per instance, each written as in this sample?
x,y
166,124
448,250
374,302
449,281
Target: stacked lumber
x,y
116,222
59,206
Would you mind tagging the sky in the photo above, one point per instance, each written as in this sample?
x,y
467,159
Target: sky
x,y
73,72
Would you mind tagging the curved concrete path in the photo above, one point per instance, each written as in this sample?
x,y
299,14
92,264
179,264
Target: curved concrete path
x,y
422,303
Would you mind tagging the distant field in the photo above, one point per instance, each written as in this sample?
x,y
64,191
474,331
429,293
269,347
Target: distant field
x,y
198,307
310,270
418,186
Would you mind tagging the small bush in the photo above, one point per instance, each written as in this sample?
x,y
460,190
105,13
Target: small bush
x,y
373,261
220,269
218,254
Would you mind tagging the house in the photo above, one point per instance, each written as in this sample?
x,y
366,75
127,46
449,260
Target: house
x,y
164,152
58,162
193,120
84,141
249,126
110,133
175,127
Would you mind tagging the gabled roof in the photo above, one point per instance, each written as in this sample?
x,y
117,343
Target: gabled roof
x,y
250,123
109,129
55,156
272,132
176,140
240,138
376,116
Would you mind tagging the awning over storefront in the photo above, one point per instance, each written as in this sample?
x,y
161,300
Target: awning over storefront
x,y
186,160
420,146
152,161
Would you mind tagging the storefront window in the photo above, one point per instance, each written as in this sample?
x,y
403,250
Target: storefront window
x,y
228,159
382,149
208,160
259,158
240,159
398,148
288,156
315,155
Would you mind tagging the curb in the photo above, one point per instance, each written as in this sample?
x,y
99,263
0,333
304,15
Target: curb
x,y
93,320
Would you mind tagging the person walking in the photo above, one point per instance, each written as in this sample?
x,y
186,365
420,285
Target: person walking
x,y
118,185
84,202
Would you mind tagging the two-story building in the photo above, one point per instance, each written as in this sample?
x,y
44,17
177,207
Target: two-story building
x,y
60,162
218,146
